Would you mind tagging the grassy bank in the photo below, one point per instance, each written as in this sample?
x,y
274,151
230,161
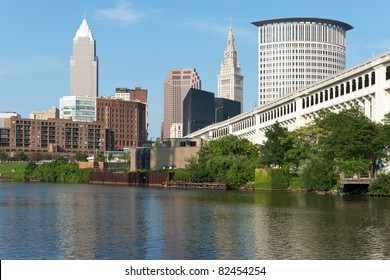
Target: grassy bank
x,y
57,171
13,171
276,179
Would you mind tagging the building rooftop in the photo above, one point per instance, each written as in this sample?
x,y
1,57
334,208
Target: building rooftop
x,y
341,24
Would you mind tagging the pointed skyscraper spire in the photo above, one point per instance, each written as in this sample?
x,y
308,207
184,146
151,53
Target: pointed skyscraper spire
x,y
230,80
84,63
84,30
230,40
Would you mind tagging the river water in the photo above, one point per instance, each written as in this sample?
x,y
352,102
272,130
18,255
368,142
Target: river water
x,y
55,221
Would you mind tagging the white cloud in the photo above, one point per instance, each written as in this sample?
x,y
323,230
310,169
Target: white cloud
x,y
123,13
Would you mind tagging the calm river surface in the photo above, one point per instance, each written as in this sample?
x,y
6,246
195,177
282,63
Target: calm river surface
x,y
41,221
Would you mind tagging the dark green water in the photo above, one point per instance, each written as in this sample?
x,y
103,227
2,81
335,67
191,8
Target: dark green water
x,y
101,222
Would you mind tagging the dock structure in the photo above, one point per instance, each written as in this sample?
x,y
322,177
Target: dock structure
x,y
355,185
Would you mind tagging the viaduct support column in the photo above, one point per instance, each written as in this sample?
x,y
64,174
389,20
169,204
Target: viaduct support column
x,y
381,101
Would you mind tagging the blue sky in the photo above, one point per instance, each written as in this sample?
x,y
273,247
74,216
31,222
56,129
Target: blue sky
x,y
139,41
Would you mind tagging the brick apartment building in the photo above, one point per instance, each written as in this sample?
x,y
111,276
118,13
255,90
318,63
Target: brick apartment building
x,y
52,135
125,119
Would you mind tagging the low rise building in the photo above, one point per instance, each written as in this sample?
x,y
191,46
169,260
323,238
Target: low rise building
x,y
52,135
173,154
78,108
137,94
52,113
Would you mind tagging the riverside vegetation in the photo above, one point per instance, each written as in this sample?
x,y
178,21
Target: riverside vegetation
x,y
56,171
311,157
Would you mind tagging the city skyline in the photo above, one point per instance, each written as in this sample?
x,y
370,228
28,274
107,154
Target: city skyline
x,y
137,43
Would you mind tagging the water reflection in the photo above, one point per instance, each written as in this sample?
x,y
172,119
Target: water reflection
x,y
101,222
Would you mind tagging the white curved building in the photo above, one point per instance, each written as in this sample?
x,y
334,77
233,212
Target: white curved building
x,y
295,52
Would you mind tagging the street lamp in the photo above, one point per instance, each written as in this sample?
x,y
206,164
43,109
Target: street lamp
x,y
216,111
189,126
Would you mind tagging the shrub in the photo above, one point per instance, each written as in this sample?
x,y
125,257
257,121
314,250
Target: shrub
x,y
182,174
280,179
263,178
318,175
381,186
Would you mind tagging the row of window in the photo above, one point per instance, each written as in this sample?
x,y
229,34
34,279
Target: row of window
x,y
324,46
340,90
278,52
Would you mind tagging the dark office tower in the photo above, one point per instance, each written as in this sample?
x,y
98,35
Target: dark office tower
x,y
226,109
198,110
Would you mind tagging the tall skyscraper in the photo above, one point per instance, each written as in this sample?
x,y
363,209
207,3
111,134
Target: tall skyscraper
x,y
230,80
176,86
296,52
84,63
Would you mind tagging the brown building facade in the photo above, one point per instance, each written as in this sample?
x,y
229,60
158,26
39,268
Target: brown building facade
x,y
137,94
52,135
126,120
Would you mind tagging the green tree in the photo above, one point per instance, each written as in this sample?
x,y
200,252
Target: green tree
x,y
80,156
304,143
351,137
30,168
157,143
60,171
381,186
3,156
228,159
318,174
99,157
274,150
20,156
37,156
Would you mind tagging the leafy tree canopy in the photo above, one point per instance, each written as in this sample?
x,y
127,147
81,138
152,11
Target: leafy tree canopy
x,y
80,156
278,143
228,159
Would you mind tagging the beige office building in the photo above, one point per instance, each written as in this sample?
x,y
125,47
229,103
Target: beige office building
x,y
52,113
84,63
176,86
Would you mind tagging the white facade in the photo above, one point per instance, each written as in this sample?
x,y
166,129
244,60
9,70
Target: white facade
x,y
52,113
84,64
122,95
176,130
78,108
230,80
366,85
176,86
7,115
296,52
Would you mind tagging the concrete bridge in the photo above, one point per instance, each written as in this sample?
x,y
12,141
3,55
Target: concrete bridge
x,y
366,85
